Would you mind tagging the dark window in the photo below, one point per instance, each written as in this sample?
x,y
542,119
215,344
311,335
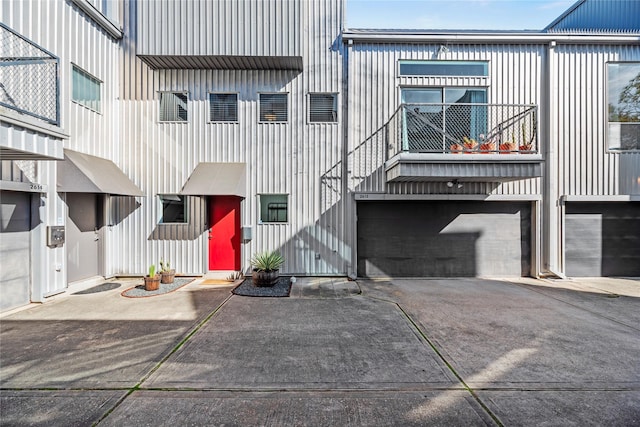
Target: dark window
x,y
174,208
444,68
323,107
273,107
173,107
274,208
223,107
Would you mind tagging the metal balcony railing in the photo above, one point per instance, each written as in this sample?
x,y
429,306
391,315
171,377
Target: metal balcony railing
x,y
28,77
463,128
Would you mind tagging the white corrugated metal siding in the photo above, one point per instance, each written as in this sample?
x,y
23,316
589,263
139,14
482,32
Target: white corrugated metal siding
x,y
296,158
580,114
203,27
515,77
68,33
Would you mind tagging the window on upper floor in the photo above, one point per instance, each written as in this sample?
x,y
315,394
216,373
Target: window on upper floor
x,y
274,208
436,117
173,107
223,107
323,107
444,68
273,107
623,98
174,208
85,89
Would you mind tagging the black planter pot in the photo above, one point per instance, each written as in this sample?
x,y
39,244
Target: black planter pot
x,y
265,278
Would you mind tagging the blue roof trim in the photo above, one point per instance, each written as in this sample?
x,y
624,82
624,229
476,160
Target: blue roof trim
x,y
599,16
564,15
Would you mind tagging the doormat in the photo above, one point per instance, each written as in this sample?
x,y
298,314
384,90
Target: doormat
x,y
107,286
216,282
164,288
281,289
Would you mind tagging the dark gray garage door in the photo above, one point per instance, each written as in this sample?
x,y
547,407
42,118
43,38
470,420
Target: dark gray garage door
x,y
444,239
602,239
15,257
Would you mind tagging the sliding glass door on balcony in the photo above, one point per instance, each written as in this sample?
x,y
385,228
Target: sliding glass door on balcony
x,y
436,118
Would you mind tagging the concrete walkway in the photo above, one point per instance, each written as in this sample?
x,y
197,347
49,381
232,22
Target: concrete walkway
x,y
385,352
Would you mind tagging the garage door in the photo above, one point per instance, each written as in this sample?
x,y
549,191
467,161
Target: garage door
x,y
602,239
444,239
15,225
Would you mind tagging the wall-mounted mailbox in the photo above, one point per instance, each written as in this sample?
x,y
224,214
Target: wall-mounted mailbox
x,y
55,235
247,233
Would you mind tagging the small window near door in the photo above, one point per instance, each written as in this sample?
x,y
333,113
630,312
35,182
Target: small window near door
x,y
323,107
174,209
273,107
173,107
223,107
274,208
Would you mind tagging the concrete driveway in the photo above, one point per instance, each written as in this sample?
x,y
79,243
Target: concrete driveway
x,y
385,352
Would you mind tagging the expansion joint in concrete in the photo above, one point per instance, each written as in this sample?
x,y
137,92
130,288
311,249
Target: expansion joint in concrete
x,y
471,391
138,386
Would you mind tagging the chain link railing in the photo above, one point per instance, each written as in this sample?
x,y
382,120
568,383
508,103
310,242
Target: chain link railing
x,y
28,77
463,128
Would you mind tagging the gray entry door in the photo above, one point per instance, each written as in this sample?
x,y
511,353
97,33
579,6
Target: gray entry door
x,y
83,234
444,239
602,239
15,249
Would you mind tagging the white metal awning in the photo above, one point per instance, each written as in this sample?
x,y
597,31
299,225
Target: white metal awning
x,y
223,62
83,173
217,179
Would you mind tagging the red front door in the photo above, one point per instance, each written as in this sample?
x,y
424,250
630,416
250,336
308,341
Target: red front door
x,y
224,234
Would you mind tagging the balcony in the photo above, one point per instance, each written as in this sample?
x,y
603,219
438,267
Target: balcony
x,y
29,99
466,142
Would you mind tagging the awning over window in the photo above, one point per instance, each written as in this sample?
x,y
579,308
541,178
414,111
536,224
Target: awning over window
x,y
217,179
82,173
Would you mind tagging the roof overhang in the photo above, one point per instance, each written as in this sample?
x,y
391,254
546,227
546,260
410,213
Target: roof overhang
x,y
415,167
223,62
10,153
217,179
83,173
481,37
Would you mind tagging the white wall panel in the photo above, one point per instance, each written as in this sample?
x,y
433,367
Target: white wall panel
x,y
203,27
585,165
296,158
64,30
515,77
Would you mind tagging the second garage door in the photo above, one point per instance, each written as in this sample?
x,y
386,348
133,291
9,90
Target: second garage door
x,y
444,239
602,239
15,249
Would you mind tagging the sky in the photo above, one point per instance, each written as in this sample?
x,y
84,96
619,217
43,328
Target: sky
x,y
455,14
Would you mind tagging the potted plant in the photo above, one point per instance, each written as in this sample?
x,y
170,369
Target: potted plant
x,y
524,146
508,146
152,281
457,148
167,273
470,144
266,268
487,147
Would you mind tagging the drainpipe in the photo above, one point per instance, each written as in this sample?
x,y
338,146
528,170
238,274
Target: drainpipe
x,y
349,204
552,248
